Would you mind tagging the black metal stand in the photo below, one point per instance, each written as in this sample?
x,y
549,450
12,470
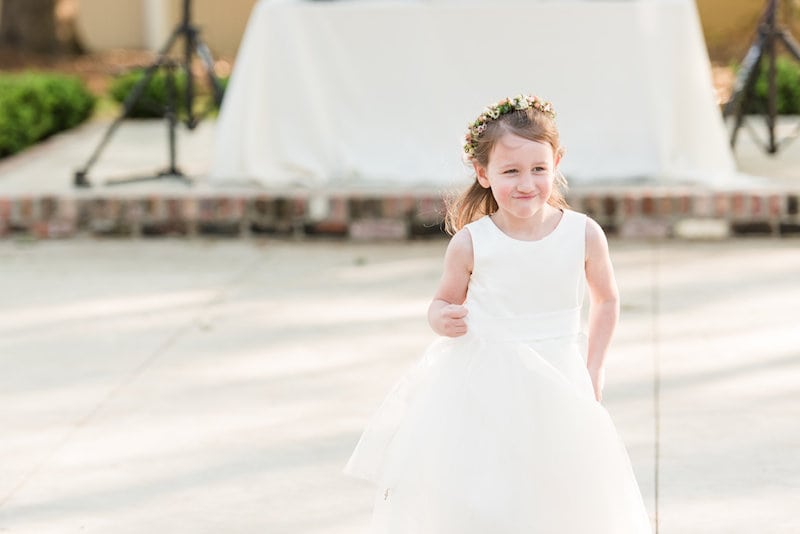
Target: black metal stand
x,y
762,47
192,44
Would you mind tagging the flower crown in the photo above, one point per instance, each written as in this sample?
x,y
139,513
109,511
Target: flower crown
x,y
494,111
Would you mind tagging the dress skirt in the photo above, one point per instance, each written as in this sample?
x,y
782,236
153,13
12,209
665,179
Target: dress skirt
x,y
481,436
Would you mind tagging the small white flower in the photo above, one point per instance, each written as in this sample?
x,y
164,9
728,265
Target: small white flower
x,y
519,102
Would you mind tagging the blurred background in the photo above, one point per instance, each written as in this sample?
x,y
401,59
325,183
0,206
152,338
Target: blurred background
x,y
97,39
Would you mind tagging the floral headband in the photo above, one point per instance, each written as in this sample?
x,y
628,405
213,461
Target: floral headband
x,y
494,111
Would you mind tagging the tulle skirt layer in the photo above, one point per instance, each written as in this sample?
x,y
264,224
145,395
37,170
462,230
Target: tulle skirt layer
x,y
487,437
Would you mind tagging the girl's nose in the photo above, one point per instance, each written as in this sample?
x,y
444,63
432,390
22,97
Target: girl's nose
x,y
527,183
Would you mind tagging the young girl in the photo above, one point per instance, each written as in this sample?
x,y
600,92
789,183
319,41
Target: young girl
x,y
498,428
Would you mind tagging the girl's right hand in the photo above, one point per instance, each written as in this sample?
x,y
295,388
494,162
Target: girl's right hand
x,y
450,321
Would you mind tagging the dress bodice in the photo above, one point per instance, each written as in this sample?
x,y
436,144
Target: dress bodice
x,y
527,289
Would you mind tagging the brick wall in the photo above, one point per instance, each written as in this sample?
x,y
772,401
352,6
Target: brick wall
x,y
626,213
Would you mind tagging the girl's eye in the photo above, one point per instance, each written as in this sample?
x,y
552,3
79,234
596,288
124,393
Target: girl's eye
x,y
539,169
509,171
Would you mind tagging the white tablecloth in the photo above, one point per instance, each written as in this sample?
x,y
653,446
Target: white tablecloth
x,y
352,93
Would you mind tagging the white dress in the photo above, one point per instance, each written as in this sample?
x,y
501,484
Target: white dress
x,y
498,431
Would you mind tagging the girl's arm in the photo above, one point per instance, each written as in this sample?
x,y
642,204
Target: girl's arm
x,y
604,303
446,312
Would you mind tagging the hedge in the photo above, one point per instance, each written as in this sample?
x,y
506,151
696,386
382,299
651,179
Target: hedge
x,y
787,79
34,106
153,100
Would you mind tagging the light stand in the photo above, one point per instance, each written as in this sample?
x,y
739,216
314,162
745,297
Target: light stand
x,y
762,47
192,44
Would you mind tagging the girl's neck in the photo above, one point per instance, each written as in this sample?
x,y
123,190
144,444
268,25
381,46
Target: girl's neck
x,y
533,228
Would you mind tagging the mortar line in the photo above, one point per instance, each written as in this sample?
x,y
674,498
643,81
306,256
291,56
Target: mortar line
x,y
138,371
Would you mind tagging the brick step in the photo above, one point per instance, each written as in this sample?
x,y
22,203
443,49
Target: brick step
x,y
385,216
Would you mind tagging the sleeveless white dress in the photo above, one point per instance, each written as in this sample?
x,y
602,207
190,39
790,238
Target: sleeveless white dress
x,y
498,431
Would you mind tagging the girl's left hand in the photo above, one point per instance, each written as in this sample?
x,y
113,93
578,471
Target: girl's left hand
x,y
598,376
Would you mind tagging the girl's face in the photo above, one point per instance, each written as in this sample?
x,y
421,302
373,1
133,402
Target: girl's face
x,y
520,173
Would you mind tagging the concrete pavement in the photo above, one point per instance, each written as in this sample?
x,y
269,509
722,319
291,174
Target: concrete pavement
x,y
219,386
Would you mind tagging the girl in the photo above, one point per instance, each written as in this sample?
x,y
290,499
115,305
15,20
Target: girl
x,y
498,428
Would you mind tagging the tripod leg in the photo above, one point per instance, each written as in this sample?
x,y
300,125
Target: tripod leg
x,y
204,54
188,50
172,119
772,93
745,84
790,43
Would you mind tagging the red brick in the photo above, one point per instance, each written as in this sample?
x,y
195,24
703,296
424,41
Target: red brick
x,y
329,227
68,208
174,208
591,205
684,205
629,205
775,205
757,206
430,209
5,215
237,207
648,204
398,207
338,210
720,204
609,206
26,208
299,207
737,204
664,205
55,228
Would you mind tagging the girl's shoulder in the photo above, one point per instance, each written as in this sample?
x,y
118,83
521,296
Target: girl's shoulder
x,y
460,250
593,228
596,241
478,226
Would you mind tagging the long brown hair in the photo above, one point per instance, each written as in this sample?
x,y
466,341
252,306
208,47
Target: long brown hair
x,y
478,201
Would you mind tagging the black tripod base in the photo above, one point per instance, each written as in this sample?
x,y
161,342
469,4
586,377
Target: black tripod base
x,y
81,180
171,174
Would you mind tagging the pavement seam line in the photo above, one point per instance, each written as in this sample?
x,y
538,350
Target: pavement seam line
x,y
137,371
656,330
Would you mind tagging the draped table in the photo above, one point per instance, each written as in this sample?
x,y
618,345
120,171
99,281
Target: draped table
x,y
341,94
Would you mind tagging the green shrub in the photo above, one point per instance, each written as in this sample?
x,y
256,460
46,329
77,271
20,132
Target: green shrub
x,y
787,79
34,106
153,100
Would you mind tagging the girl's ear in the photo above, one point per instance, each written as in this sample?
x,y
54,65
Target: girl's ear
x,y
480,173
557,157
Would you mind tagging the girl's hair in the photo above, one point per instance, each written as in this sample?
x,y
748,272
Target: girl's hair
x,y
477,201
